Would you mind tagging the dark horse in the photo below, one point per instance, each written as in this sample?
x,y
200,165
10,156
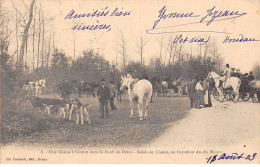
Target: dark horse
x,y
88,88
156,85
119,92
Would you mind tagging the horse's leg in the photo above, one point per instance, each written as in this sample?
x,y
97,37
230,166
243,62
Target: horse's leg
x,y
132,107
236,90
220,92
146,107
221,96
140,107
139,112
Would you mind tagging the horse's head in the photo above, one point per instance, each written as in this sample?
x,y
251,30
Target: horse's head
x,y
42,83
124,82
209,76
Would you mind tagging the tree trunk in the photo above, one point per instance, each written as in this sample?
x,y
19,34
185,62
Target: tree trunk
x,y
48,54
43,40
74,42
17,38
26,51
39,39
25,33
33,36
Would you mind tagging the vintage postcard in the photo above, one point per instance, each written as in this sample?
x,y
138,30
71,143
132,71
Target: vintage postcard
x,y
130,82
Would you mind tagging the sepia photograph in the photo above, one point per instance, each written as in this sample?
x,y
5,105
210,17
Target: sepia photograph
x,y
130,82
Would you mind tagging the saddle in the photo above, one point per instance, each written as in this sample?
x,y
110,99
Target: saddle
x,y
133,84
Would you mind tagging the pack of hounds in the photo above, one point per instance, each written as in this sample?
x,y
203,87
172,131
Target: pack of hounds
x,y
64,108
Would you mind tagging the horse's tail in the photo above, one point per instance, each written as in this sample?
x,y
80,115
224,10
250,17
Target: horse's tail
x,y
136,99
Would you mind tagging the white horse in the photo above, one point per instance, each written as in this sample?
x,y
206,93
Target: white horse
x,y
233,82
142,90
39,85
29,87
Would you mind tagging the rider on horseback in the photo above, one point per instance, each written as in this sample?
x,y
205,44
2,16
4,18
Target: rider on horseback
x,y
226,74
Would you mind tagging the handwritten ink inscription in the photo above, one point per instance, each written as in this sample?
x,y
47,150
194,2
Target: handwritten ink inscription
x,y
104,12
212,15
240,38
232,156
182,39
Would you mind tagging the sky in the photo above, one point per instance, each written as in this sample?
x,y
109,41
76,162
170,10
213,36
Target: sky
x,y
143,15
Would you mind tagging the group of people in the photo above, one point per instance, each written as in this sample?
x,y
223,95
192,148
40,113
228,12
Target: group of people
x,y
232,72
199,93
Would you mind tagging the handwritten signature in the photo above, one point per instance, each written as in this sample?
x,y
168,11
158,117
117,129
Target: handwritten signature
x,y
232,156
212,15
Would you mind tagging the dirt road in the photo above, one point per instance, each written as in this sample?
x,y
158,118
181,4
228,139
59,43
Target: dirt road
x,y
225,127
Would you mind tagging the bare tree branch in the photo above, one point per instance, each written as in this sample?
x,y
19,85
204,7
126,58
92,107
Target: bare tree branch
x,y
25,35
25,5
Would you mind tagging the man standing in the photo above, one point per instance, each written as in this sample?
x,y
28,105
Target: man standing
x,y
129,75
112,95
192,92
250,76
65,89
252,91
103,94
